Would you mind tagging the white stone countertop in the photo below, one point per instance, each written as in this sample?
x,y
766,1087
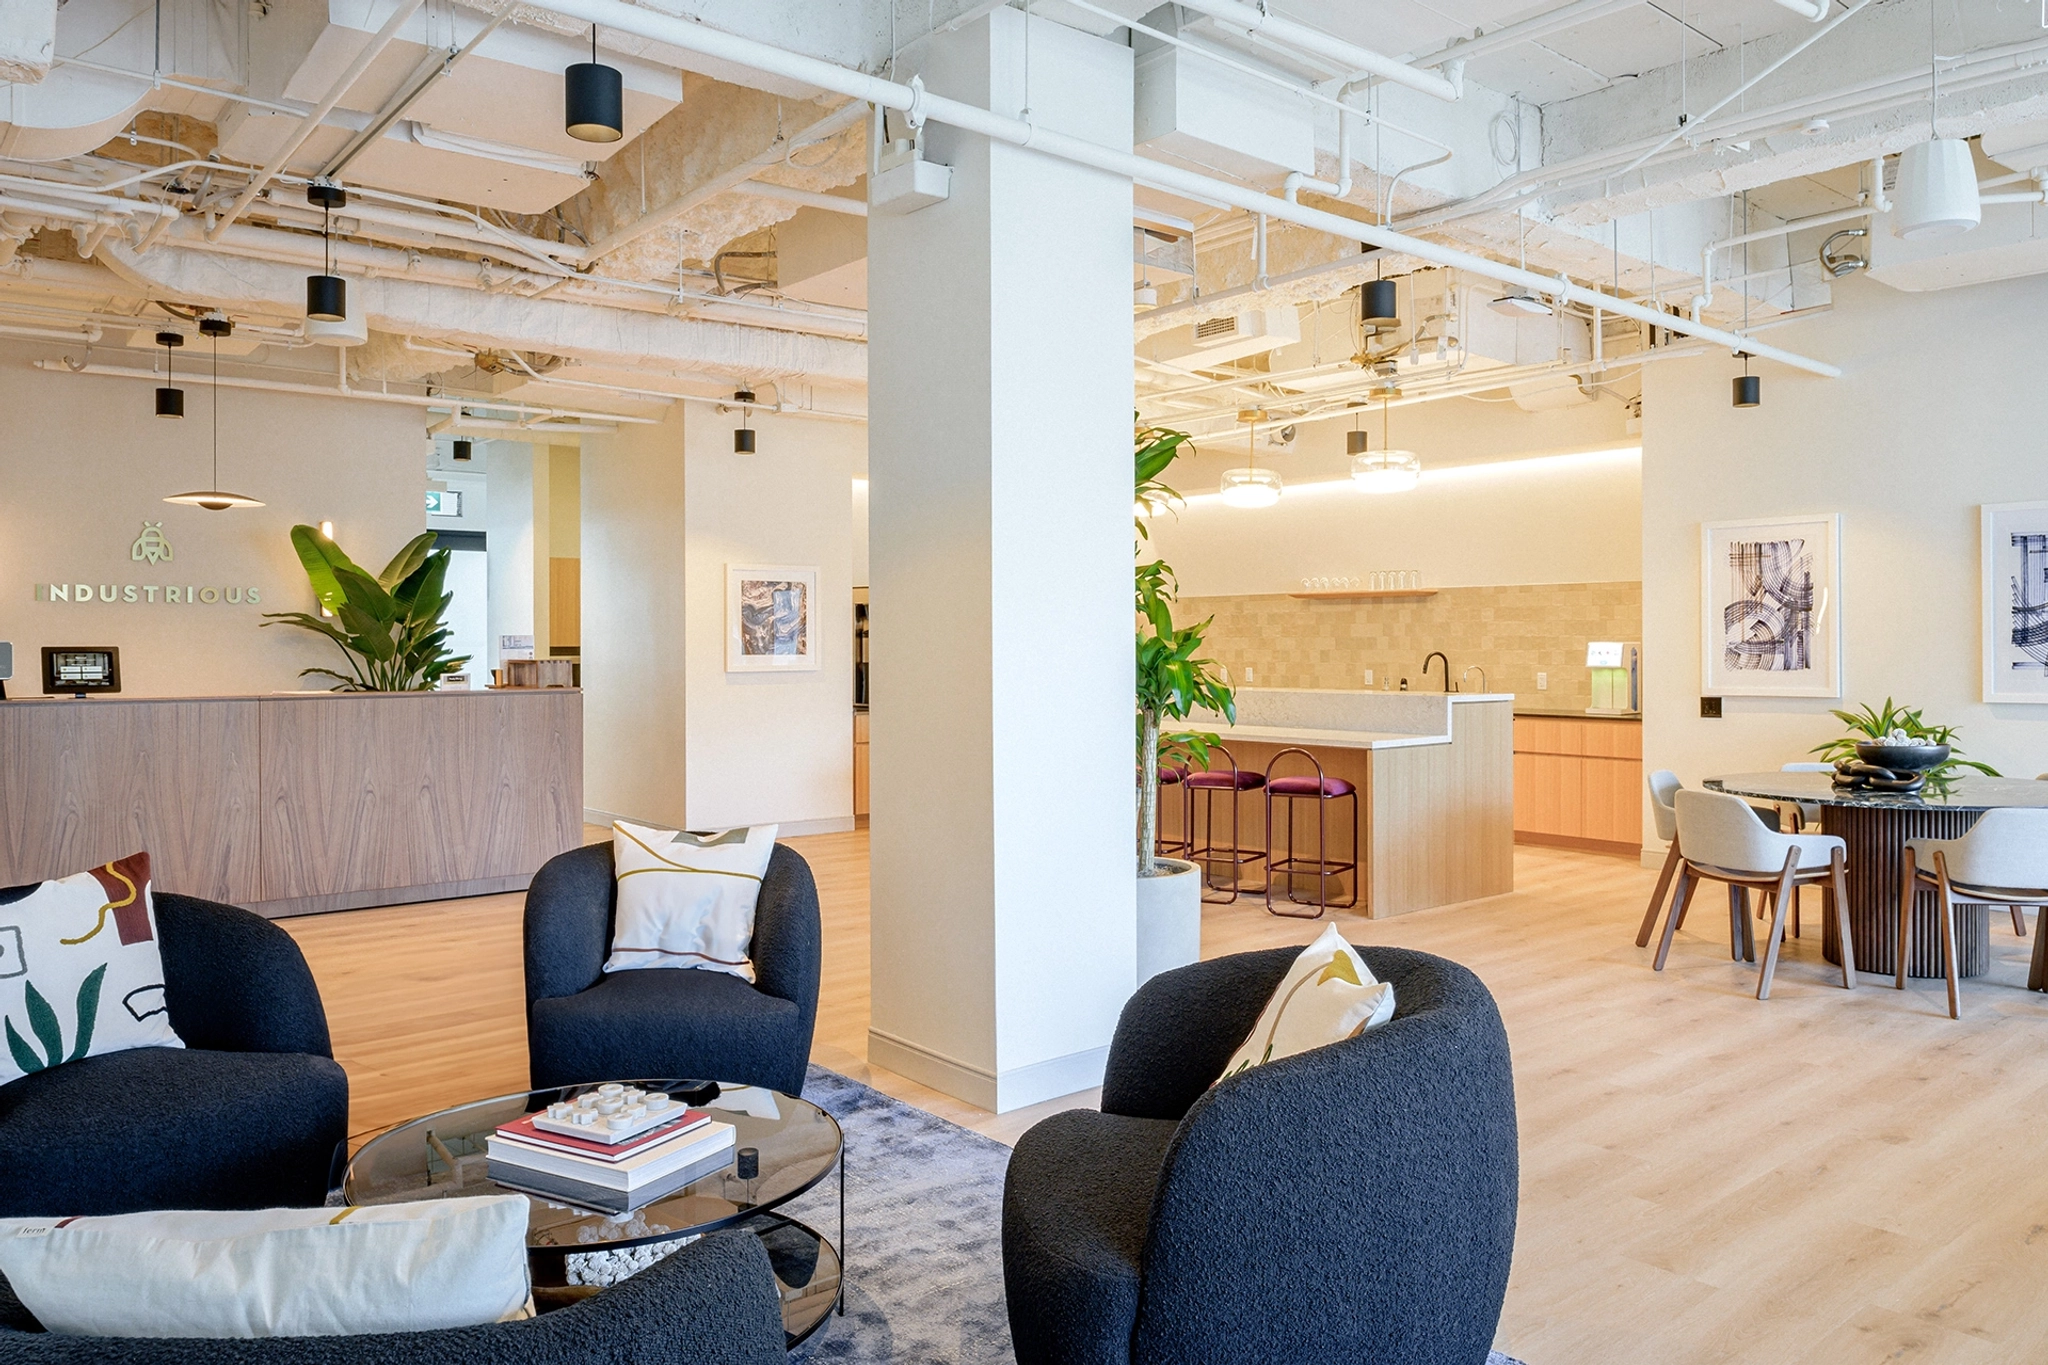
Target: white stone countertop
x,y
1339,719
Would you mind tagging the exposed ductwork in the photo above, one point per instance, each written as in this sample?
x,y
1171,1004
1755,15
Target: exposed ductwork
x,y
1347,59
28,40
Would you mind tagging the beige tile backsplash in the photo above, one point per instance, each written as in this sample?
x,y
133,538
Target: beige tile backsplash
x,y
1512,632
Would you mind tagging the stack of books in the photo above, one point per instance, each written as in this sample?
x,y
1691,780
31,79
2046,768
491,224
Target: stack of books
x,y
615,1149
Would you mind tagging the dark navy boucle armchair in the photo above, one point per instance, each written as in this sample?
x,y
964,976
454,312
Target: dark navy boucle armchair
x,y
249,1114
712,1303
583,1025
1354,1203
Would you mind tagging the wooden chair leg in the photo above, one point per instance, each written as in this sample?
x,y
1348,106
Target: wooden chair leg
x,y
1787,890
1657,897
1681,898
1738,921
1909,880
2019,921
2037,971
1838,880
1948,935
1748,927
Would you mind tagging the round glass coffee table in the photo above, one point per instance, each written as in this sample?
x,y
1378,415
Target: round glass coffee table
x,y
442,1155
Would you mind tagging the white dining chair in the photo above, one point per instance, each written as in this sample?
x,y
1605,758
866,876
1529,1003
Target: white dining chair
x,y
1663,784
1725,842
2001,860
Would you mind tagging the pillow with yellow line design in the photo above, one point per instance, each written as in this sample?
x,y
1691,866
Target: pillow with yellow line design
x,y
1328,995
687,900
80,973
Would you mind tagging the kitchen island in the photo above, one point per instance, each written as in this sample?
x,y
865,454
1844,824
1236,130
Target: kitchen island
x,y
295,803
1435,778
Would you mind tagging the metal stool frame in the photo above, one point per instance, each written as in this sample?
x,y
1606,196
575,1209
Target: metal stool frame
x,y
1170,776
1203,853
1325,867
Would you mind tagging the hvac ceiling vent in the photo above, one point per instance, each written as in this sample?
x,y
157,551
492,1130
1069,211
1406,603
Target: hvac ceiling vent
x,y
1228,337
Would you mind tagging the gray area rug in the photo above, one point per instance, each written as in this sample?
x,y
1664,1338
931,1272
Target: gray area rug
x,y
924,1233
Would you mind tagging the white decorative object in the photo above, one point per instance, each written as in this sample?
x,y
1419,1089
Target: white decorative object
x,y
1328,995
687,900
613,1113
2014,546
274,1272
1770,607
1169,918
771,618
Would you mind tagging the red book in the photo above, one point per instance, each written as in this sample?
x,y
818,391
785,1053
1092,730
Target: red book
x,y
523,1130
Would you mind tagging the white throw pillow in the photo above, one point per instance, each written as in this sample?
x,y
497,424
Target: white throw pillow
x,y
80,973
687,900
274,1272
1328,995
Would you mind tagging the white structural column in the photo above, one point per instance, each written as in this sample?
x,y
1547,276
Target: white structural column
x,y
999,462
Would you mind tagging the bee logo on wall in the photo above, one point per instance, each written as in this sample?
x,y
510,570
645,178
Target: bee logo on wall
x,y
150,546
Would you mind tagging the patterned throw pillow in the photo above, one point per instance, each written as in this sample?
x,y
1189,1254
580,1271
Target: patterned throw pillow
x,y
1328,995
80,973
687,900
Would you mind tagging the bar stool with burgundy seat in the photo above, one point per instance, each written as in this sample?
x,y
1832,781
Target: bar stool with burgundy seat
x,y
1163,845
1321,790
1208,782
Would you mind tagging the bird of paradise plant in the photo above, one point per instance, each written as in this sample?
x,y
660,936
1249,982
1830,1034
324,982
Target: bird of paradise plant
x,y
389,627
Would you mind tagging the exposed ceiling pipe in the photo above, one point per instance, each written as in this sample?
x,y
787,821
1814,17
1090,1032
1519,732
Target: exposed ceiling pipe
x,y
1542,26
432,69
1814,10
1360,61
790,194
921,104
1705,298
312,120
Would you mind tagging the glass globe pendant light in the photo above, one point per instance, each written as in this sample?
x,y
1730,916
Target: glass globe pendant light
x,y
1385,470
214,499
1250,486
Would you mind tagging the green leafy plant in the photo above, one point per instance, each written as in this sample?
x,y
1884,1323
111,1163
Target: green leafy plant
x,y
42,1021
1868,723
1173,681
389,626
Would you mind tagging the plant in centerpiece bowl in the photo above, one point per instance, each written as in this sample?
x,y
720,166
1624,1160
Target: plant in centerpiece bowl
x,y
389,626
1893,749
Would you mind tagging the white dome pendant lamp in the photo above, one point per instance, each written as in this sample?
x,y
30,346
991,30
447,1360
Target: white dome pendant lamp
x,y
1936,194
1250,486
215,499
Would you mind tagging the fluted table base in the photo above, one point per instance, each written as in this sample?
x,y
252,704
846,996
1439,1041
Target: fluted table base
x,y
1877,841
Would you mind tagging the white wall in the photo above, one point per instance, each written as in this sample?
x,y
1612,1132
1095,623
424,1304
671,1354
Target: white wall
x,y
860,524
1940,408
508,528
84,462
633,624
769,747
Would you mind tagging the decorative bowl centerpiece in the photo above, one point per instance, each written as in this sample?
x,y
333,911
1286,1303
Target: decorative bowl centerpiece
x,y
1902,754
1894,750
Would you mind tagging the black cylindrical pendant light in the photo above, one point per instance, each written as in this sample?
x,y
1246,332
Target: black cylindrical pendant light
x,y
1378,303
594,99
1749,388
464,450
327,292
170,402
743,439
1356,442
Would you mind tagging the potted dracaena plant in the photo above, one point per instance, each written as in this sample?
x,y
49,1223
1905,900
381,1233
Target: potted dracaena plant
x,y
1173,682
388,626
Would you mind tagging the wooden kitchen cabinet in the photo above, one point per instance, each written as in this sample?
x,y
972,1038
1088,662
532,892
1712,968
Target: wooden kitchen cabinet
x,y
860,764
1579,782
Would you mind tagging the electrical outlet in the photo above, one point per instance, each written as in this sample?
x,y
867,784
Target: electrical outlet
x,y
1249,676
1542,682
1710,708
1368,677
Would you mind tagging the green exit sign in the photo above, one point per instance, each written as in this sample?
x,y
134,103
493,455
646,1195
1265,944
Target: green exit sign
x,y
444,502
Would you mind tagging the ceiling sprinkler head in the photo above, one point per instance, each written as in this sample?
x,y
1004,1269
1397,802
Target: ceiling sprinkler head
x,y
1814,126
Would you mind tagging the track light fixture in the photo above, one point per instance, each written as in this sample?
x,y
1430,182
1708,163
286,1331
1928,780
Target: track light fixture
x,y
170,402
743,439
327,292
594,99
1749,388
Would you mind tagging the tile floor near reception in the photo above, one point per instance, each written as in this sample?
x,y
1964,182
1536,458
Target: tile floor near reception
x,y
1826,1176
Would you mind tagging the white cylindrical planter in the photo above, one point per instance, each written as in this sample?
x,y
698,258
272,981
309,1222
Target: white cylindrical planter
x,y
1169,918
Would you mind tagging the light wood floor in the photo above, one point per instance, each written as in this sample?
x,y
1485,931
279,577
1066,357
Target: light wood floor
x,y
1826,1176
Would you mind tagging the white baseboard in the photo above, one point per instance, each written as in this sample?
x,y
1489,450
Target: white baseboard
x,y
792,829
1016,1089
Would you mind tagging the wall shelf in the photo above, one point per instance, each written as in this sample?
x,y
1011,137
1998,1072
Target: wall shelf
x,y
1348,595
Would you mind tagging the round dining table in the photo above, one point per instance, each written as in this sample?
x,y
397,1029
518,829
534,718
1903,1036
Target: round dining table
x,y
1876,826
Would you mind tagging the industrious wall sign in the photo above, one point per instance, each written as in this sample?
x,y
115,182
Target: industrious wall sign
x,y
151,548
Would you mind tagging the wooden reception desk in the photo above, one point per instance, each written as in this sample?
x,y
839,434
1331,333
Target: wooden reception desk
x,y
296,803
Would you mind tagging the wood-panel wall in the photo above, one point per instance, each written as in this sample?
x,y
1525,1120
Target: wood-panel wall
x,y
296,804
1579,782
565,603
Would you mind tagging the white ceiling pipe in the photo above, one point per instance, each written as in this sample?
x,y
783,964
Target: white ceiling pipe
x,y
1542,26
311,122
921,104
481,403
790,194
435,66
1813,10
1351,57
1705,298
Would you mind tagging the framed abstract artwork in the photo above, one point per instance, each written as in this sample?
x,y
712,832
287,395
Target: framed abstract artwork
x,y
1770,607
771,618
2014,546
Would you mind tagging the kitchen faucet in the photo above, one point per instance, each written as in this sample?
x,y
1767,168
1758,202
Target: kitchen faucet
x,y
1468,673
1437,654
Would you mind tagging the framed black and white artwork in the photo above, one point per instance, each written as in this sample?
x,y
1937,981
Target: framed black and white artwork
x,y
771,618
1770,607
2015,587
